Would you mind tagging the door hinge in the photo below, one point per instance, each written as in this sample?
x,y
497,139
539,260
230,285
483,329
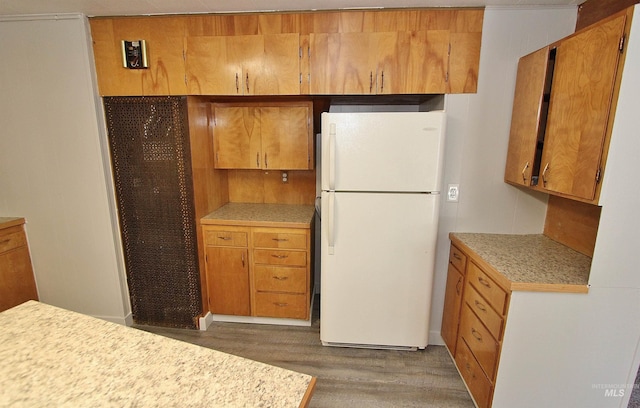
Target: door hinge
x,y
598,173
621,43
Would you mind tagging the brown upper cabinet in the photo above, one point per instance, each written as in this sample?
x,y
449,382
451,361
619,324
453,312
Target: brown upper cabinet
x,y
413,51
268,136
243,65
379,63
563,112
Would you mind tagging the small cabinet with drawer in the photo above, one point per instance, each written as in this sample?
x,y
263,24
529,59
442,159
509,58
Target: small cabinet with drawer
x,y
17,284
475,311
258,271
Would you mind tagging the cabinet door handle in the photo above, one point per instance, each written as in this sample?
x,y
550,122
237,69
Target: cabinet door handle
x,y
480,306
484,282
247,82
266,163
370,81
544,175
280,278
280,256
242,260
382,82
258,159
237,84
524,178
459,286
475,334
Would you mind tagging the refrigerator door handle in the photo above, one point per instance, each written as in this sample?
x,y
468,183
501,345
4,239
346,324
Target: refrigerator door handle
x,y
332,156
331,229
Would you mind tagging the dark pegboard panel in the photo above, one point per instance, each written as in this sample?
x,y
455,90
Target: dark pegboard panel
x,y
151,161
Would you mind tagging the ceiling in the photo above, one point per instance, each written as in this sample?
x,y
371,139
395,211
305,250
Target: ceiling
x,y
144,7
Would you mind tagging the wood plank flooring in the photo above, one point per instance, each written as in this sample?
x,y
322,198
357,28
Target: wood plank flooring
x,y
347,377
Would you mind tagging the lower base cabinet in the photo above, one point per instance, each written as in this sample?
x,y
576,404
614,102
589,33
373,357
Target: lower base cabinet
x,y
258,271
17,284
476,322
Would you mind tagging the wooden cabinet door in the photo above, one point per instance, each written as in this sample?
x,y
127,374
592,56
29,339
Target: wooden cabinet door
x,y
212,66
342,63
228,280
16,278
273,68
422,63
286,137
166,72
236,137
525,117
581,94
451,313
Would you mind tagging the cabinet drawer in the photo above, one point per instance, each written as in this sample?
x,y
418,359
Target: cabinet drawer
x,y
491,320
281,305
280,279
479,385
458,259
490,290
225,238
272,257
12,240
279,240
480,341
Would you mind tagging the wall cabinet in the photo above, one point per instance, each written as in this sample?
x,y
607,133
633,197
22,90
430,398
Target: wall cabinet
x,y
258,271
17,284
275,136
243,65
418,51
395,62
562,112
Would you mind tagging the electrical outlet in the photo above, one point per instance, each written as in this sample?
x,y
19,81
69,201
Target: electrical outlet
x,y
453,192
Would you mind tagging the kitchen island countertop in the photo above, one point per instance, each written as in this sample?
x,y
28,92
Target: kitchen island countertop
x,y
531,262
53,357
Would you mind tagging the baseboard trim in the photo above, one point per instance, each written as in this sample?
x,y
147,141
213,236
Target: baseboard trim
x,y
205,321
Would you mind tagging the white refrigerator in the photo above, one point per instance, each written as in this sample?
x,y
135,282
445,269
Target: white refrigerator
x,y
380,180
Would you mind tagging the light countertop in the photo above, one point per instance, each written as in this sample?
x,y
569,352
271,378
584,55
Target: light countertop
x,y
51,357
529,262
262,215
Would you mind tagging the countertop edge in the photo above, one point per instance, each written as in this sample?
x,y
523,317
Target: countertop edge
x,y
14,221
306,399
247,223
509,285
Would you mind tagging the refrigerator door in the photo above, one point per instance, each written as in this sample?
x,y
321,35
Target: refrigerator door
x,y
378,252
382,151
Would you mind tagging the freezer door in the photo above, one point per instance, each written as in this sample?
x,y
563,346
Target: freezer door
x,y
378,253
382,151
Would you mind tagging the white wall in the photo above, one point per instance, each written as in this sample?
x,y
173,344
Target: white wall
x,y
53,167
478,136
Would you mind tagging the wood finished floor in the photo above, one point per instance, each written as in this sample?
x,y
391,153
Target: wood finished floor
x,y
346,377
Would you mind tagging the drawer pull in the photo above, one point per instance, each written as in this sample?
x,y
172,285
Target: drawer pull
x,y
279,239
4,241
484,282
458,257
280,256
475,334
280,304
225,238
480,306
280,278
